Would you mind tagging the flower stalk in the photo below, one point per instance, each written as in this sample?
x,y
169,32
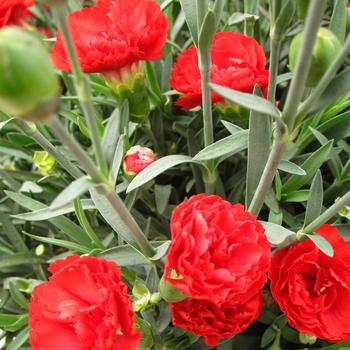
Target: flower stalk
x,y
105,188
328,214
282,134
83,89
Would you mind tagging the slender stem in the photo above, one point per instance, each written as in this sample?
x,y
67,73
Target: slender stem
x,y
130,222
107,190
31,131
275,50
205,65
328,214
325,81
78,152
204,60
83,90
269,171
302,67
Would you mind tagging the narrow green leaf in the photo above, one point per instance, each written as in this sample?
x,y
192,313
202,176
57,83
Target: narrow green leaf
x,y
224,147
117,159
218,10
124,256
161,251
338,20
48,213
189,8
291,168
12,234
73,191
157,168
277,235
111,134
13,323
334,162
19,339
232,128
154,87
249,101
207,33
109,214
60,243
322,244
311,165
17,296
84,223
339,346
339,86
19,259
162,196
315,201
296,196
285,16
258,149
71,229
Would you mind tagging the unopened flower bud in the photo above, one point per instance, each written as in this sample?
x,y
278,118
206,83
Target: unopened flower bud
x,y
307,339
324,52
169,293
129,84
29,86
137,159
44,161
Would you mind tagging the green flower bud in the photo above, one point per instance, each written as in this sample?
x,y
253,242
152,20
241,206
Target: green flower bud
x,y
325,50
307,339
169,293
44,161
129,84
29,87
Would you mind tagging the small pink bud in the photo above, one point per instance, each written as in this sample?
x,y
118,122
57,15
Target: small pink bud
x,y
137,159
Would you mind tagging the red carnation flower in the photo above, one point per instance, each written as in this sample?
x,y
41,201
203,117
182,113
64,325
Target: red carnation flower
x,y
12,12
215,322
312,289
113,34
238,62
137,159
83,306
218,251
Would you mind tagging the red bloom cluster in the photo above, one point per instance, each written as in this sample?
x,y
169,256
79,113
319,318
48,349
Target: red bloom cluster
x,y
238,62
12,12
219,255
83,306
113,34
312,289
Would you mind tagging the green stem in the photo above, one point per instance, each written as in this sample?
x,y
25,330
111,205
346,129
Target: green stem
x,y
204,60
78,152
83,90
324,82
106,190
208,128
269,171
328,214
30,130
303,63
275,50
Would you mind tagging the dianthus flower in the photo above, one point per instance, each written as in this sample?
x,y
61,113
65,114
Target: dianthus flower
x,y
238,62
